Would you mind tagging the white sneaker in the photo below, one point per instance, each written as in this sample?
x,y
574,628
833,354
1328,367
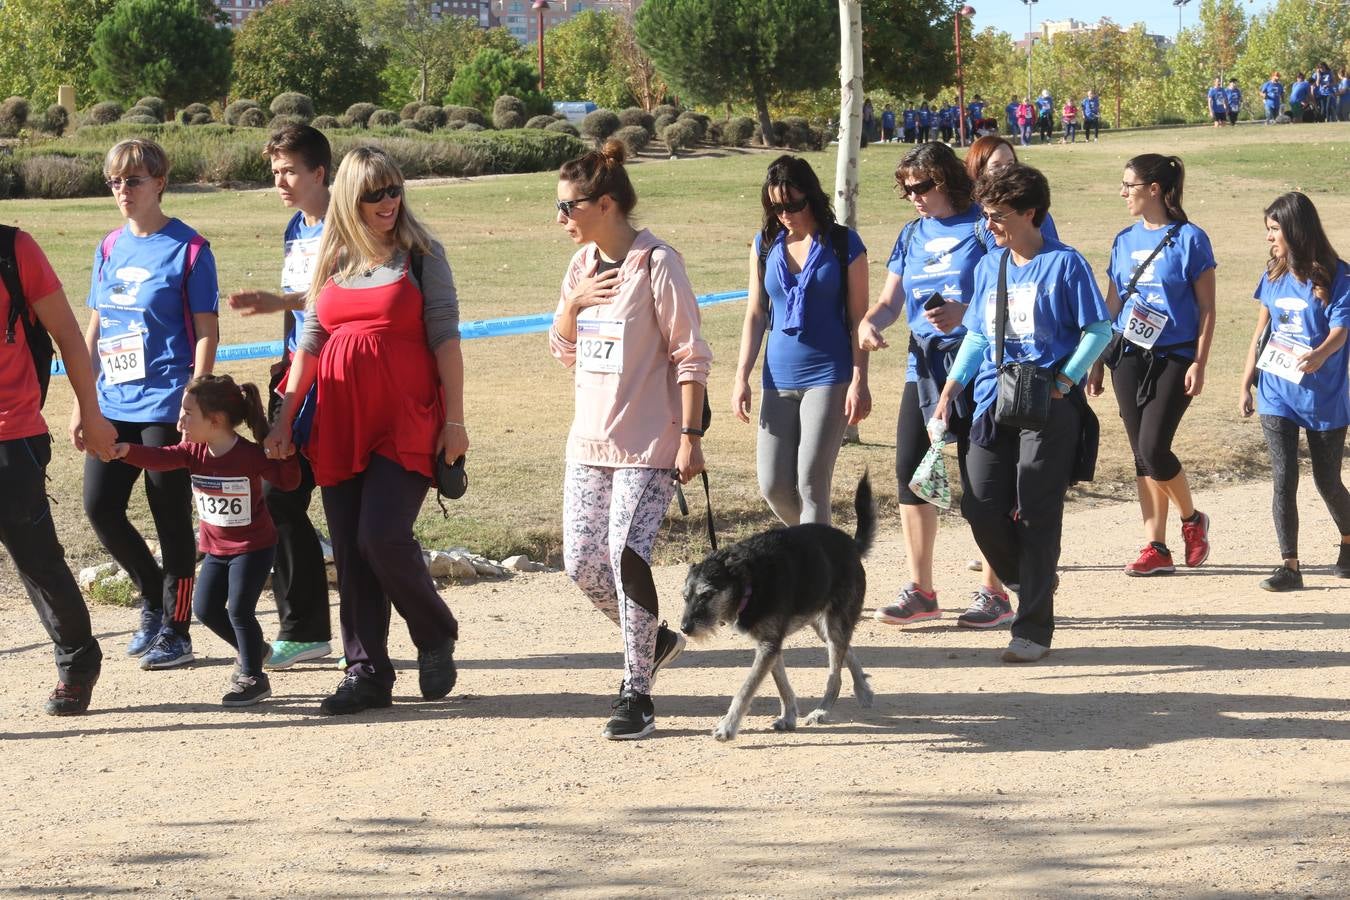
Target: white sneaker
x,y
1021,650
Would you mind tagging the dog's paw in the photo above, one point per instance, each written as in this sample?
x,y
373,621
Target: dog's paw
x,y
863,691
785,723
725,730
816,716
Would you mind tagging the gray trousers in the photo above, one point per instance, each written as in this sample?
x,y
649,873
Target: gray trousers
x,y
800,433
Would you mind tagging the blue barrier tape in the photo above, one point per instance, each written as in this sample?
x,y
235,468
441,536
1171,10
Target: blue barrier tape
x,y
482,328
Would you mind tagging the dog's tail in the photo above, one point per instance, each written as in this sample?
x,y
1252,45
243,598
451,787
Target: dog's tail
x,y
867,516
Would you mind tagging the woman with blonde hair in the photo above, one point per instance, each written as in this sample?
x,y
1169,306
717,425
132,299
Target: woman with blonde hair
x,y
381,339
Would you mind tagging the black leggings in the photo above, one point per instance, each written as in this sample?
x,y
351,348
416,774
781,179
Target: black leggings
x,y
1152,427
227,602
1327,450
107,491
1092,127
911,443
1047,128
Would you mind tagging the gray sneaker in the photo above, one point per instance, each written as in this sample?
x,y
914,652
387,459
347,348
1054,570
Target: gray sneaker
x,y
1021,650
910,607
987,610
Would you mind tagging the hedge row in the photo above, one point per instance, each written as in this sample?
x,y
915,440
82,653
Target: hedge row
x,y
221,154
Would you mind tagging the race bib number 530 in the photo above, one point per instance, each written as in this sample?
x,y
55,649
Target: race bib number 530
x,y
223,502
600,346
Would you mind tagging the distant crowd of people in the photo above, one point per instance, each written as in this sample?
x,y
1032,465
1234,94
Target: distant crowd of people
x,y
1026,117
1316,96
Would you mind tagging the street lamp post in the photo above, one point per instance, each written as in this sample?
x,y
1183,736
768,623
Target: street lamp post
x,y
965,12
1030,41
540,6
1180,5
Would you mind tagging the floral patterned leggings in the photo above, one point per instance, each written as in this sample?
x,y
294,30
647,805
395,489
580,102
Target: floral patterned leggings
x,y
606,510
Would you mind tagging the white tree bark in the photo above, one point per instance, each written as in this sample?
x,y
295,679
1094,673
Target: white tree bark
x,y
850,112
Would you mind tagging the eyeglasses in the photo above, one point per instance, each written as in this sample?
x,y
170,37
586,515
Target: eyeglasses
x,y
393,192
915,190
997,217
565,206
1126,185
791,206
130,184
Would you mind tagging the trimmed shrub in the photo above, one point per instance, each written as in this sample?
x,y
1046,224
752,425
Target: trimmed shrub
x,y
430,117
465,114
293,103
634,138
700,121
253,117
359,114
105,113
324,123
599,125
473,126
154,104
186,114
779,135
539,121
11,184
414,125
235,111
455,125
800,135
508,112
198,119
140,120
738,131
409,110
382,118
634,115
663,122
680,135
140,111
344,122
233,161
565,127
57,177
665,109
276,123
13,115
56,120
559,116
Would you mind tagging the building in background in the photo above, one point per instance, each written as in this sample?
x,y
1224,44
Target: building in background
x,y
521,19
237,11
1051,29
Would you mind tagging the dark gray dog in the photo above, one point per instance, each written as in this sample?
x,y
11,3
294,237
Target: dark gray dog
x,y
772,584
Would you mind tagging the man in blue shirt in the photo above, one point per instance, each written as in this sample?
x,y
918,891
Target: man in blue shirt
x,y
1218,103
887,124
1300,92
1273,93
1045,116
1010,111
1092,121
1234,97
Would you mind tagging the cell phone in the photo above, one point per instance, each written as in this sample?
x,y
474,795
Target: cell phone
x,y
934,302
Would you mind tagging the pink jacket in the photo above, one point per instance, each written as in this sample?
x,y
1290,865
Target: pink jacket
x,y
631,418
1024,114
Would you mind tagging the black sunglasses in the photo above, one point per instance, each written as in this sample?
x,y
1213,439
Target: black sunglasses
x,y
914,190
130,184
393,192
565,206
792,206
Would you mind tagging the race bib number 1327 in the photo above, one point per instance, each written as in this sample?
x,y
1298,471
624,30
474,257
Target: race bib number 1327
x,y
600,346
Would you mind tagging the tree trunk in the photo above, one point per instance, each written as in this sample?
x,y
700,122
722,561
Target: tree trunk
x,y
422,89
762,110
850,128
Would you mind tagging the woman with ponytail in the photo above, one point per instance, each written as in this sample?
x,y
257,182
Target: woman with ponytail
x,y
236,534
1300,351
1161,297
628,324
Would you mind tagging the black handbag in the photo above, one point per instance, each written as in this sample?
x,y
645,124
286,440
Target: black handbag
x,y
1023,398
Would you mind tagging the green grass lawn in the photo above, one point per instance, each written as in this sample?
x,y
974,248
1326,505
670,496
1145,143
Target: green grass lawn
x,y
509,256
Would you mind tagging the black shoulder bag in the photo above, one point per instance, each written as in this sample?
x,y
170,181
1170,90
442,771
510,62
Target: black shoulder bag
x,y
1116,348
1023,399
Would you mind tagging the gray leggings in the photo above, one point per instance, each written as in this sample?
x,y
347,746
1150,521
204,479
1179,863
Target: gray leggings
x,y
1327,450
800,433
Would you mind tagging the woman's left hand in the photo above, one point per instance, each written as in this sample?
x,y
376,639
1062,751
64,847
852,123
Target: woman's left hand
x,y
688,459
1311,361
453,442
947,316
857,403
1195,380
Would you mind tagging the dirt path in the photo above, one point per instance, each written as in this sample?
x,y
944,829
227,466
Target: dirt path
x,y
1188,736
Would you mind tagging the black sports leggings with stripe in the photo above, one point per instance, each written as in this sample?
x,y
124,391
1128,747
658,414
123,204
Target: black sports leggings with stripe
x,y
107,493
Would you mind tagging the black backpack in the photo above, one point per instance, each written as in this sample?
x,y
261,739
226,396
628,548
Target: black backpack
x,y
39,341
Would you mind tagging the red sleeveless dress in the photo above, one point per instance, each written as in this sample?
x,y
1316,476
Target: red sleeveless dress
x,y
378,387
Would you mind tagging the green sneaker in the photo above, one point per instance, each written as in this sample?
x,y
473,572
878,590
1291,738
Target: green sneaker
x,y
287,653
342,664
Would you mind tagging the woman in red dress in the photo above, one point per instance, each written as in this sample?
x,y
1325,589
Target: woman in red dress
x,y
381,341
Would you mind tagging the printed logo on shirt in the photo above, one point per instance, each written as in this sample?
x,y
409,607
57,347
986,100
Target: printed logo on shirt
x,y
1289,321
939,252
129,280
1146,276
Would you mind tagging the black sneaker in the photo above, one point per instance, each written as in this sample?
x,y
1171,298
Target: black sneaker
x,y
669,645
436,671
1343,562
355,694
71,699
1283,579
634,717
246,690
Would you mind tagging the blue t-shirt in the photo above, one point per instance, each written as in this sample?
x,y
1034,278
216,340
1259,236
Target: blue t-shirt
x,y
888,120
977,110
821,353
1011,111
945,116
1091,107
1234,96
300,253
1051,300
1045,106
1218,100
1324,82
1321,401
1273,91
1168,283
138,293
1299,92
941,258
909,118
925,118
1048,228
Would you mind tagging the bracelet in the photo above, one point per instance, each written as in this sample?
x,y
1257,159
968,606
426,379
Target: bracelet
x,y
696,432
460,424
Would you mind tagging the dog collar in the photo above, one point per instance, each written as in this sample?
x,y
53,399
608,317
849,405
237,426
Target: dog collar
x,y
745,601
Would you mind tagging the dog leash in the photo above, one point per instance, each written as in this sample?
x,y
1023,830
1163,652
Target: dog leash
x,y
707,496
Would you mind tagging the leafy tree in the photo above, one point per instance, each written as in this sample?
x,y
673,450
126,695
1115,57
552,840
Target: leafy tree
x,y
580,60
908,45
173,49
311,46
1190,71
420,41
639,72
722,51
46,44
491,74
1223,29
1293,36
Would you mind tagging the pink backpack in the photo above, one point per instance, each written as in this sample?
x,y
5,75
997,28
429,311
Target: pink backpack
x,y
195,245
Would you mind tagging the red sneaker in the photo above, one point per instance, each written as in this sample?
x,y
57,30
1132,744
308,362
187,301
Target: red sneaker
x,y
1151,561
1196,535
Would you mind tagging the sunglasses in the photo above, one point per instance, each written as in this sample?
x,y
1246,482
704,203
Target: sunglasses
x,y
393,192
997,218
791,206
566,206
130,184
916,190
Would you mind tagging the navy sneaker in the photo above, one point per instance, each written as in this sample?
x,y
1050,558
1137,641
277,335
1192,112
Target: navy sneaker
x,y
146,632
246,690
169,650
